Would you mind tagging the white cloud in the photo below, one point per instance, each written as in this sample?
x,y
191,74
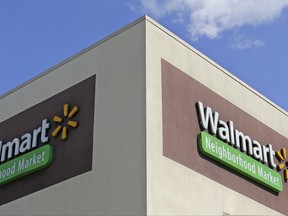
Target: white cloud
x,y
211,17
242,42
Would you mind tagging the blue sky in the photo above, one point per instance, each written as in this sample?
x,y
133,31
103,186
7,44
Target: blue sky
x,y
248,38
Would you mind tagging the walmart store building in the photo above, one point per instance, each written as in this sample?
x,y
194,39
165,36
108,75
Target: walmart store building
x,y
141,123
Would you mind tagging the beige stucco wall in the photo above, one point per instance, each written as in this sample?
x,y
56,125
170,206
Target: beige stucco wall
x,y
116,185
130,174
173,189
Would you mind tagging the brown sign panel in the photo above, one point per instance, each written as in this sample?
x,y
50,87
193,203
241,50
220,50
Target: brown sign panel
x,y
71,157
180,92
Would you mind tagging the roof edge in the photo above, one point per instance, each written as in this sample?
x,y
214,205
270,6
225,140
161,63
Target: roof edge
x,y
166,31
76,55
210,61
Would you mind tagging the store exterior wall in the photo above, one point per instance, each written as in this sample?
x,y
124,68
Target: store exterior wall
x,y
174,188
116,183
144,79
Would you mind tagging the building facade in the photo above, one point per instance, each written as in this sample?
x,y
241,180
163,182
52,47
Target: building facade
x,y
141,123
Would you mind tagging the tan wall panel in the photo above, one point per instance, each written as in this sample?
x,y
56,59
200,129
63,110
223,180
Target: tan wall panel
x,y
173,189
116,184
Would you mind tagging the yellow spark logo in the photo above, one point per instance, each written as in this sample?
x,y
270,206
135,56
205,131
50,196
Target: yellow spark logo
x,y
281,155
61,121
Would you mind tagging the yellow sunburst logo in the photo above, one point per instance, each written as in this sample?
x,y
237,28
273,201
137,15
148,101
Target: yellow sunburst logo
x,y
65,122
281,155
